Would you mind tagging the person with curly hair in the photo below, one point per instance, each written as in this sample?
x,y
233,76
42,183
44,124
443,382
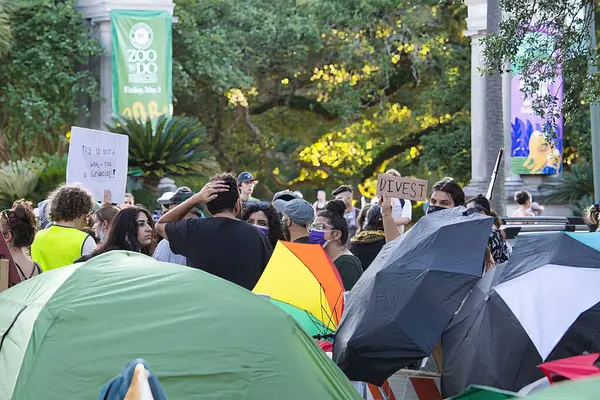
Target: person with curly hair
x,y
265,217
591,217
64,242
18,228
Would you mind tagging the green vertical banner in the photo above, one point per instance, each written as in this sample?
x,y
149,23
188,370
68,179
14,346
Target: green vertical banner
x,y
141,63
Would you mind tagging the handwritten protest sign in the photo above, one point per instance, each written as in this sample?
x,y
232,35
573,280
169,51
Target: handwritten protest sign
x,y
98,160
401,188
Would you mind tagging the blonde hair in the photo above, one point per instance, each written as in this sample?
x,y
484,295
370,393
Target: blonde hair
x,y
591,217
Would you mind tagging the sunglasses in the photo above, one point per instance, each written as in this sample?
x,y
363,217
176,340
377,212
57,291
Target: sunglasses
x,y
320,226
263,205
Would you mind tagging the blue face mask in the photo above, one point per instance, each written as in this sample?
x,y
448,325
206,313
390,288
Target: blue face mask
x,y
101,236
263,229
317,237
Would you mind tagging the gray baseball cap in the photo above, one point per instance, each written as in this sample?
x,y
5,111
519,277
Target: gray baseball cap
x,y
300,212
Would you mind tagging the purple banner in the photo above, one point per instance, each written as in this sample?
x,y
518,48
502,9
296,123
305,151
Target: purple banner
x,y
531,154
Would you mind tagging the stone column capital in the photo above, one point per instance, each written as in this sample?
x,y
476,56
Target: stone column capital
x,y
476,17
99,10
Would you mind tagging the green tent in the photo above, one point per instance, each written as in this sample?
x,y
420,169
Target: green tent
x,y
476,392
67,332
581,389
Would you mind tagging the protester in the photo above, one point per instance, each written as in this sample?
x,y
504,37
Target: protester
x,y
330,230
103,219
319,205
247,183
18,228
537,209
163,250
222,245
591,217
523,199
402,209
64,242
128,201
367,244
362,217
298,215
344,193
497,245
446,193
265,217
132,230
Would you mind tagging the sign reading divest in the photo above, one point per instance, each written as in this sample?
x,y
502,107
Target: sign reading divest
x,y
141,63
98,160
401,188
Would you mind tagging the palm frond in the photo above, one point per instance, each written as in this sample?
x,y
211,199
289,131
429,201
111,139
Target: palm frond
x,y
174,146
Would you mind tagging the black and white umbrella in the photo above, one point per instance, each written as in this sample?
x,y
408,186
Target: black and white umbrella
x,y
542,305
397,311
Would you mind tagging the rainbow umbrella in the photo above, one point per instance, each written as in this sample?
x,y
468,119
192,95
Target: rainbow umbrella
x,y
301,280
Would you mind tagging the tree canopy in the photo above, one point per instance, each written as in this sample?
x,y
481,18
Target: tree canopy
x,y
327,91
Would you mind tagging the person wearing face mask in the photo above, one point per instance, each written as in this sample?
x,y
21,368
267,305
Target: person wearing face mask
x,y
298,215
103,219
132,230
265,217
446,193
330,230
221,245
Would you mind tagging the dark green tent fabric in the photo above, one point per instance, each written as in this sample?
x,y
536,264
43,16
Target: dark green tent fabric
x,y
205,338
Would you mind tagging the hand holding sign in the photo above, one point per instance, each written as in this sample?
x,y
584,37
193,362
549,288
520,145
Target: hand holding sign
x,y
401,188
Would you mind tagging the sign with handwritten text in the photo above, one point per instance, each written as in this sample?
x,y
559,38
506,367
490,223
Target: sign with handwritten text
x,y
98,160
401,188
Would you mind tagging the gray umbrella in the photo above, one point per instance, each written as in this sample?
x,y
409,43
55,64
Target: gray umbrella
x,y
488,344
397,311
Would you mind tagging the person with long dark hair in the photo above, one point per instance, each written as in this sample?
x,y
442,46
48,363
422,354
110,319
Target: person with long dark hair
x,y
266,218
367,244
18,227
132,230
330,230
498,250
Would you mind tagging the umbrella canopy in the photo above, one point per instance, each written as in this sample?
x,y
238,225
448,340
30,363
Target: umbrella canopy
x,y
572,368
476,392
302,277
543,304
68,331
583,389
399,308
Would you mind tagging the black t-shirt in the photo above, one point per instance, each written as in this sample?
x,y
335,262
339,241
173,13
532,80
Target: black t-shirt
x,y
350,270
303,239
228,248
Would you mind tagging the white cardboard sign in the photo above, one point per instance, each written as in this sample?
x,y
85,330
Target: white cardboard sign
x,y
401,188
98,160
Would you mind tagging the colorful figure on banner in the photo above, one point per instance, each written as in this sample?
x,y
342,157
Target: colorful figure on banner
x,y
542,154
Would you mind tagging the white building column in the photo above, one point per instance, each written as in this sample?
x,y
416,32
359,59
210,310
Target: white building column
x,y
513,182
97,12
476,26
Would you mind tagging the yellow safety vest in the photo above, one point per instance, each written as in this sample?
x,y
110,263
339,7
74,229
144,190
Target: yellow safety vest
x,y
57,247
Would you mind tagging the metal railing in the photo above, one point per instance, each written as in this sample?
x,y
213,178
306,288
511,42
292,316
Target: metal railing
x,y
514,226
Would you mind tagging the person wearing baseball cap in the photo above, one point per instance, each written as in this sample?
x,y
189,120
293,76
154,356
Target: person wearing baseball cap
x,y
247,183
298,215
163,250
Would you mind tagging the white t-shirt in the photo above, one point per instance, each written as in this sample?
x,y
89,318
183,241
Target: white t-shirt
x,y
88,246
399,211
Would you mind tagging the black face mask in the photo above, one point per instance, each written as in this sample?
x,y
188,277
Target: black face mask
x,y
593,228
432,209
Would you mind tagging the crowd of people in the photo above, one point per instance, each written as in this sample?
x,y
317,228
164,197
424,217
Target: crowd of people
x,y
236,237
